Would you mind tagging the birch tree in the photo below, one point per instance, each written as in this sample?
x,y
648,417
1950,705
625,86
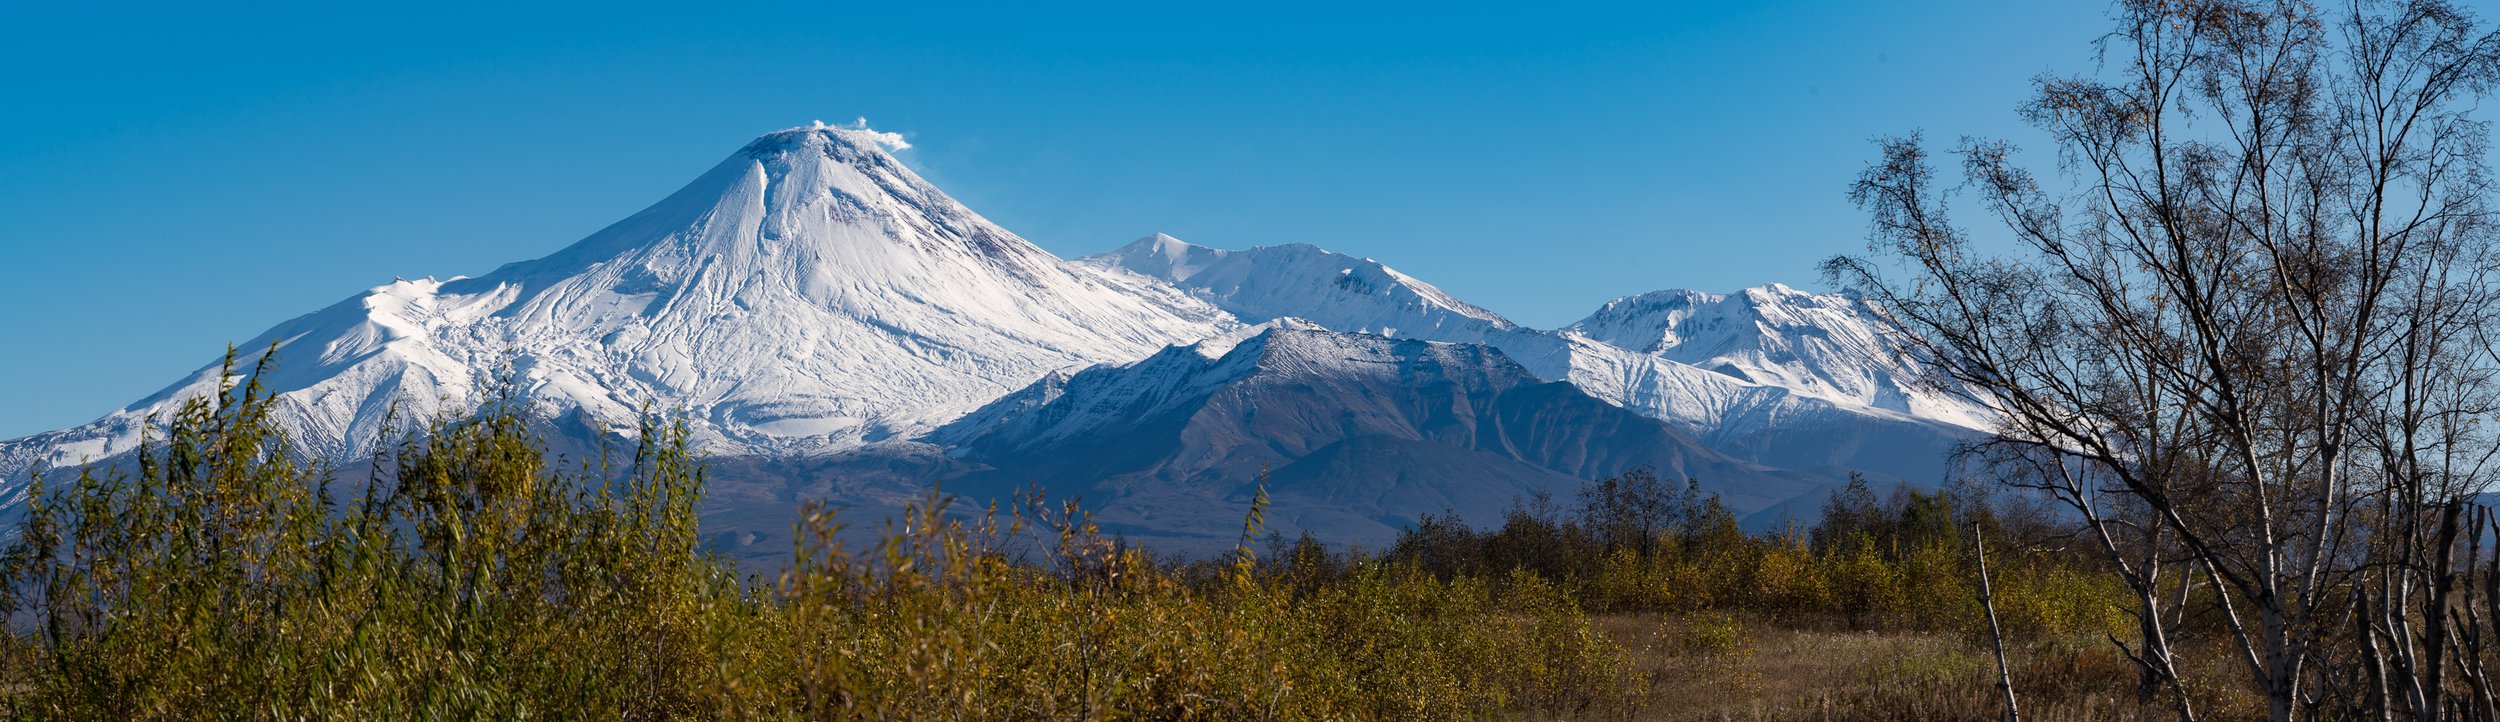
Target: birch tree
x,y
2240,330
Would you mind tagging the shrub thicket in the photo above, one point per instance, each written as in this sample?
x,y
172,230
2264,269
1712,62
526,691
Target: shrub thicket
x,y
1638,543
468,577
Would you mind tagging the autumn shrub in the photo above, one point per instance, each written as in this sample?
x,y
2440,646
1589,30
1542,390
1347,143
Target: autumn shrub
x,y
465,575
1639,543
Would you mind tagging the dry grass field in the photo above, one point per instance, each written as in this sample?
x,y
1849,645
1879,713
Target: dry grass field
x,y
1718,667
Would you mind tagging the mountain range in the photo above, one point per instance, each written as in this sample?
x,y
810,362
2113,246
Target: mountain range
x,y
831,326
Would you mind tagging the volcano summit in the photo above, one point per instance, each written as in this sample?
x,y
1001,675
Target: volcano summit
x,y
831,325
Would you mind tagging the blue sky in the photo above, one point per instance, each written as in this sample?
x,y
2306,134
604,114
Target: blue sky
x,y
177,177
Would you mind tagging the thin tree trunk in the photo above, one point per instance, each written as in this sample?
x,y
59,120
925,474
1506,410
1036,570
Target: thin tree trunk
x,y
1987,600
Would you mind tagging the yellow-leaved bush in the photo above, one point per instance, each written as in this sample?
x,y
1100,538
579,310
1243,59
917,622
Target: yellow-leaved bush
x,y
466,576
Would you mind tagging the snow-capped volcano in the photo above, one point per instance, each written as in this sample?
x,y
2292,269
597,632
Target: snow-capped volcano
x,y
832,326
807,293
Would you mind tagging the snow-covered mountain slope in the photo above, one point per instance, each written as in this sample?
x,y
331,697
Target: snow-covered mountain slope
x,y
1755,398
1717,347
1823,346
808,293
832,326
1359,295
1356,433
1333,290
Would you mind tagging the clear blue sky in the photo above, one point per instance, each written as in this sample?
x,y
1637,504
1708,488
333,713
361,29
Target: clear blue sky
x,y
177,177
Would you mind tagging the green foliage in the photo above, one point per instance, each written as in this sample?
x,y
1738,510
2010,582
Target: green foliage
x,y
1903,564
220,578
471,578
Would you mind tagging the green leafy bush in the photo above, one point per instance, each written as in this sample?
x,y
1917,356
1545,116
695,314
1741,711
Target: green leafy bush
x,y
468,577
1637,545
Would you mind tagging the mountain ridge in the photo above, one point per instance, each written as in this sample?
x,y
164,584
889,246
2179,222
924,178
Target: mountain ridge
x,y
811,306
1347,431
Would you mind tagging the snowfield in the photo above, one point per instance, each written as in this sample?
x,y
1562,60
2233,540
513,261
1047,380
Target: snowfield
x,y
811,297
